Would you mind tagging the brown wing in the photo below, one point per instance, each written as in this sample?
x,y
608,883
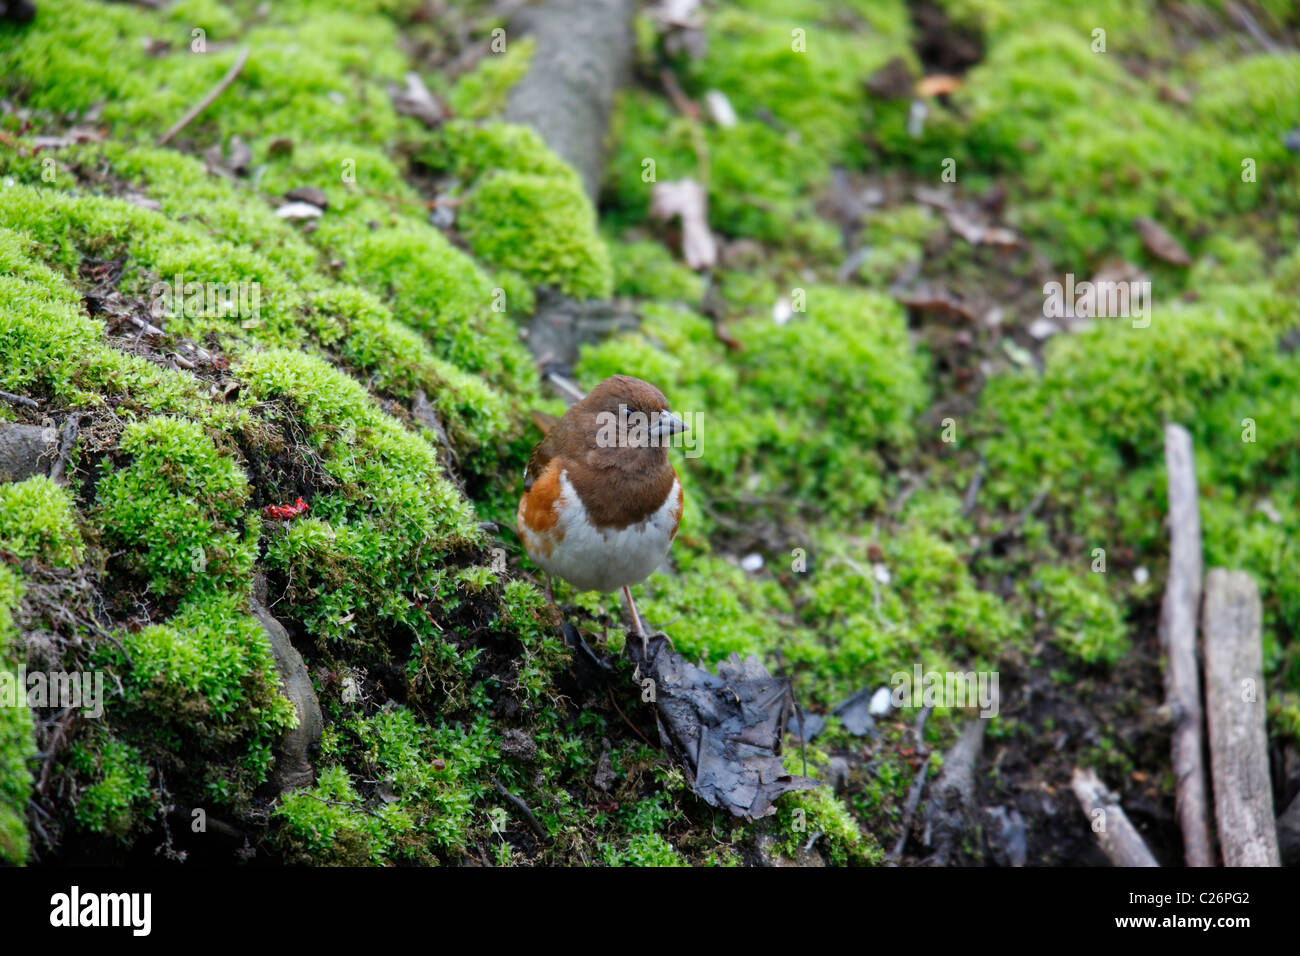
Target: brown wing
x,y
544,451
681,501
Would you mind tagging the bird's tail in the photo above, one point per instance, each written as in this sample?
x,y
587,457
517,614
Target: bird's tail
x,y
543,420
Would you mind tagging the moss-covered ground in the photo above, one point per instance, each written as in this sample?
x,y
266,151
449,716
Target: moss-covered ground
x,y
924,488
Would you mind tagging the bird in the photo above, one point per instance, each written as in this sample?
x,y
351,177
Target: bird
x,y
602,503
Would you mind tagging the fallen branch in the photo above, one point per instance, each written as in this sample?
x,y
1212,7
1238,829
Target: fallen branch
x,y
971,496
292,768
1118,838
527,814
1234,705
208,99
67,439
1248,23
584,52
951,811
1178,614
19,400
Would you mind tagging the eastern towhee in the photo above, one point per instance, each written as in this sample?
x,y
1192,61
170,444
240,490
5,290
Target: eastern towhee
x,y
601,501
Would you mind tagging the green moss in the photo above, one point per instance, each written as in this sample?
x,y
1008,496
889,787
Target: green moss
x,y
206,685
818,93
645,849
114,803
524,614
1257,99
644,820
399,360
49,347
542,227
436,289
37,521
69,227
806,812
178,510
1098,411
647,270
327,824
300,75
361,447
429,777
929,611
1284,715
1226,260
1078,609
469,150
17,748
367,547
866,381
1188,355
482,92
799,113
1127,26
1031,107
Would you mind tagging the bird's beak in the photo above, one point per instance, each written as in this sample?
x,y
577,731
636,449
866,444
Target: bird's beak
x,y
667,424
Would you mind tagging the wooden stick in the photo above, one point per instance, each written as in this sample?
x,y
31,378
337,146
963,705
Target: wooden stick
x,y
583,54
67,439
1118,838
208,99
950,816
19,400
1234,706
1178,615
528,815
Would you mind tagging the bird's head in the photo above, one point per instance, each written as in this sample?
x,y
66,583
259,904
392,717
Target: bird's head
x,y
628,419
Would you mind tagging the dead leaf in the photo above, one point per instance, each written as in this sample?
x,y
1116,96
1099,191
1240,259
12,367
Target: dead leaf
x,y
725,730
416,100
967,221
241,157
686,200
1160,242
929,298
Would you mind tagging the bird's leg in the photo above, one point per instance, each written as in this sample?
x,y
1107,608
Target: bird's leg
x,y
637,629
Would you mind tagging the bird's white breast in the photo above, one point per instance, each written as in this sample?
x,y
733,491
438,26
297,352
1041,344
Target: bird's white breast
x,y
606,560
